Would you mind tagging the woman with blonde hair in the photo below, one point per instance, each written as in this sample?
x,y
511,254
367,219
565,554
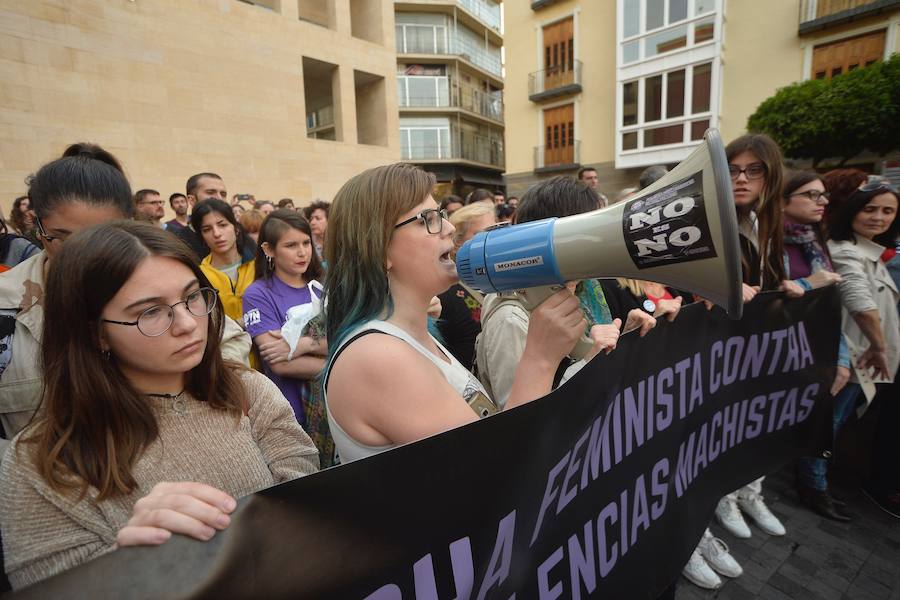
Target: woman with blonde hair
x,y
460,318
388,382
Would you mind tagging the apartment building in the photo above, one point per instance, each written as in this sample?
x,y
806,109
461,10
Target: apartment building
x,y
450,90
619,85
280,97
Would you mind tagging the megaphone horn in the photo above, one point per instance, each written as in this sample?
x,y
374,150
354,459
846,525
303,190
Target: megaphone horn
x,y
681,231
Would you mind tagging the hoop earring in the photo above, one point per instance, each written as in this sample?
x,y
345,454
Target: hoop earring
x,y
270,262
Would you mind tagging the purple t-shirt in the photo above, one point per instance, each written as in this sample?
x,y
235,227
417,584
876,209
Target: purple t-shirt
x,y
266,304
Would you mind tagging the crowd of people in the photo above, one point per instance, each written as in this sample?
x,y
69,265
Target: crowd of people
x,y
152,372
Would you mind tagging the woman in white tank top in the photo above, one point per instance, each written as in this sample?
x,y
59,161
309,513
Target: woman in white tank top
x,y
388,382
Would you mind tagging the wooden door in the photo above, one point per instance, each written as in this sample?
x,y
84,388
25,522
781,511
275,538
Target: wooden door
x,y
839,57
559,135
559,54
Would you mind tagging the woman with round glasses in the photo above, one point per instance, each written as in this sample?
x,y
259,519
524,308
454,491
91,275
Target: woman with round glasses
x,y
808,262
145,430
83,187
388,382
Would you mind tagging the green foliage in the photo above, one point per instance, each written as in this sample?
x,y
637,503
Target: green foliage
x,y
841,117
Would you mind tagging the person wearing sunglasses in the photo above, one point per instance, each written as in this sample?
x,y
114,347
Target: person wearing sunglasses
x,y
388,381
145,430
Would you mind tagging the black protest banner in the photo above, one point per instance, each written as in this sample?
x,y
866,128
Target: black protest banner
x,y
601,489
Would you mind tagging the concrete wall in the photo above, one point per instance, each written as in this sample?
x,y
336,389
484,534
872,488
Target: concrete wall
x,y
174,87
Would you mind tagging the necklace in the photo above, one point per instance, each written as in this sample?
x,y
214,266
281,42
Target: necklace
x,y
179,404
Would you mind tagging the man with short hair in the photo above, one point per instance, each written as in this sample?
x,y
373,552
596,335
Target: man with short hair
x,y
178,203
499,197
148,206
199,188
589,177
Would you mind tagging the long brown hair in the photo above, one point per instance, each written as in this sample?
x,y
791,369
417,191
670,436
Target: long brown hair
x,y
770,237
94,425
270,232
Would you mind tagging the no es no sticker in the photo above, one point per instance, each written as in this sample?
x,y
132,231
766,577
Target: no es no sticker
x,y
669,226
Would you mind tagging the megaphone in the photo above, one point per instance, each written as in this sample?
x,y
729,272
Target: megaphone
x,y
682,231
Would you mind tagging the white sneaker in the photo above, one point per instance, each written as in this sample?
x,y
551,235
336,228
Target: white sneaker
x,y
729,516
759,512
699,573
715,551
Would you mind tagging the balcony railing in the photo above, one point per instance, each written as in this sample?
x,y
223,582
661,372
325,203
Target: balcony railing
x,y
429,39
555,81
486,12
463,146
562,158
466,98
820,14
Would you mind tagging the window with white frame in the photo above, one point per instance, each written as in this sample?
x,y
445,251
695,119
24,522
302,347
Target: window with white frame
x,y
672,107
423,90
654,27
667,78
425,138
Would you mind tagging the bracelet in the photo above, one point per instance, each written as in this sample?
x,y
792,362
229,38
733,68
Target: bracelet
x,y
804,283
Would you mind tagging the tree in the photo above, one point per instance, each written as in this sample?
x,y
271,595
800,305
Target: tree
x,y
841,117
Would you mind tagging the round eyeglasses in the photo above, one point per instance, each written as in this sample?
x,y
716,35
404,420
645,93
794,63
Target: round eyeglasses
x,y
157,319
433,218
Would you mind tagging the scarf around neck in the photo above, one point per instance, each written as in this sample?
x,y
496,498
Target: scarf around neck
x,y
804,236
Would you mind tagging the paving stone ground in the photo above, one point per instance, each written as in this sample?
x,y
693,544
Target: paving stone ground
x,y
818,558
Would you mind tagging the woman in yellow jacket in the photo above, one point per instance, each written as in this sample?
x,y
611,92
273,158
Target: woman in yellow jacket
x,y
229,265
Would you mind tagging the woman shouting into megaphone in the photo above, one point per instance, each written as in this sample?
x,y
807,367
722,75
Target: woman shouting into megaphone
x,y
388,381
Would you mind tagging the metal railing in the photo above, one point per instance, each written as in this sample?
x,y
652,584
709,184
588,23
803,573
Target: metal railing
x,y
437,41
486,12
556,156
811,10
463,146
554,78
472,100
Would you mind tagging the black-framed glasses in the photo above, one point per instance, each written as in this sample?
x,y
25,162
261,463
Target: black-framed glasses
x,y
40,231
433,218
814,195
157,320
754,171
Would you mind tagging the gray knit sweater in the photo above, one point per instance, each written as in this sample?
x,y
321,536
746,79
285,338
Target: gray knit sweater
x,y
45,532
